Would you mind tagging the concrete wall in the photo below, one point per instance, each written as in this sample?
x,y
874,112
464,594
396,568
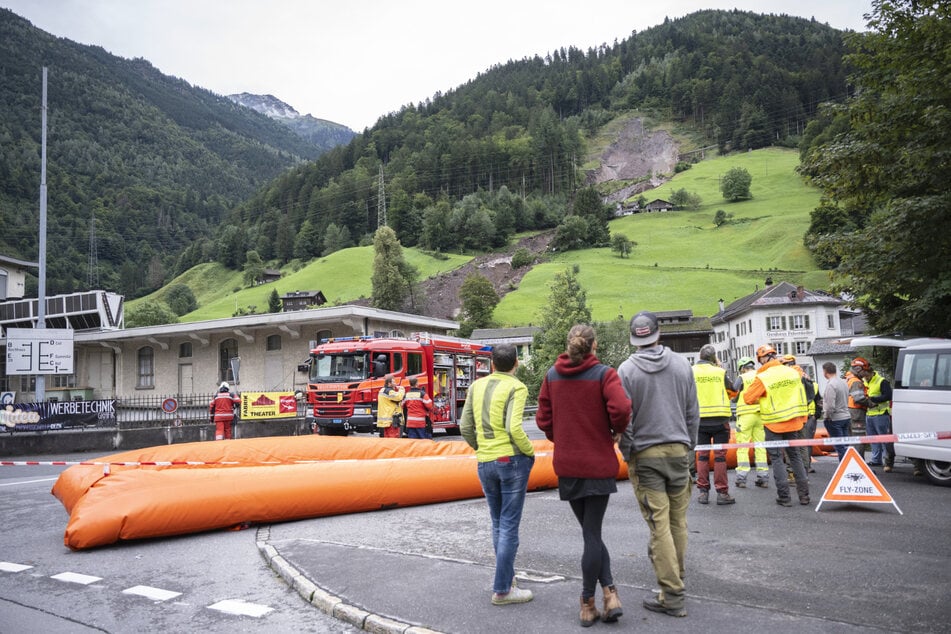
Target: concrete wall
x,y
114,440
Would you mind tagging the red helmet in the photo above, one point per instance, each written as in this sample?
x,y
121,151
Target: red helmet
x,y
765,350
861,363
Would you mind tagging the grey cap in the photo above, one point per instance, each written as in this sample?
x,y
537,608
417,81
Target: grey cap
x,y
644,328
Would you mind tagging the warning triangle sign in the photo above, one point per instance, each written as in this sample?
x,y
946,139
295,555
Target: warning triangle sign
x,y
855,482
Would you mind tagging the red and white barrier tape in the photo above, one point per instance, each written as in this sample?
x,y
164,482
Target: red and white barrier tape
x,y
843,440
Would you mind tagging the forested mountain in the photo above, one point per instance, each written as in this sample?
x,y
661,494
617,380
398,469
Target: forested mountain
x,y
154,161
740,80
160,163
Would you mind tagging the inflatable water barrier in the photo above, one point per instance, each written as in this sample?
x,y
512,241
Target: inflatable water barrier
x,y
188,488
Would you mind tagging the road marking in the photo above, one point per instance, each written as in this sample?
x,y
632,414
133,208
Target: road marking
x,y
11,484
241,608
155,594
7,566
75,577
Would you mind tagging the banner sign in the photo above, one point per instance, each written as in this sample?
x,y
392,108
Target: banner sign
x,y
264,405
51,415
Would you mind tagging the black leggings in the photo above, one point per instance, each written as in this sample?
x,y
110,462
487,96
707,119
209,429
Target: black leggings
x,y
595,561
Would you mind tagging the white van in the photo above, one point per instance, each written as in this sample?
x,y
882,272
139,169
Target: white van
x,y
921,402
921,398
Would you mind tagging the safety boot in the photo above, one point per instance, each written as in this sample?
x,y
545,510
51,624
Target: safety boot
x,y
612,605
589,613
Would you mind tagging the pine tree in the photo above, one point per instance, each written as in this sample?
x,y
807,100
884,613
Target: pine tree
x,y
390,287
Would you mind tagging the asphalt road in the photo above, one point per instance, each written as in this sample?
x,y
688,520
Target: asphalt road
x,y
844,568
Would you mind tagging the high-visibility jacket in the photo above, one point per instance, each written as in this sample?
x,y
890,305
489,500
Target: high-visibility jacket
x,y
418,405
711,390
812,401
785,398
742,408
492,418
388,403
855,385
875,389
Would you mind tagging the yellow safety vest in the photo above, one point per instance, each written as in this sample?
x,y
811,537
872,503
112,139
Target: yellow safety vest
x,y
875,389
742,409
812,403
711,393
785,395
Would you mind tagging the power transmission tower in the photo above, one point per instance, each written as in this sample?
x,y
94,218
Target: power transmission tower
x,y
92,274
381,203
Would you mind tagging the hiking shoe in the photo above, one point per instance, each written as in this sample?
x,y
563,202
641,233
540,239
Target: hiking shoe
x,y
804,500
740,483
656,606
887,468
704,497
784,501
762,483
790,476
514,595
725,498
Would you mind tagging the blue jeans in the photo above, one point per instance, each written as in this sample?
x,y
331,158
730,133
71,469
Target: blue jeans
x,y
882,453
504,485
839,429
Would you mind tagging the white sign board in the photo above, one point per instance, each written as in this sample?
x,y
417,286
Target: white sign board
x,y
39,351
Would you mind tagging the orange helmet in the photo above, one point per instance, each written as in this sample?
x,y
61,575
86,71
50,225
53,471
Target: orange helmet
x,y
788,359
861,363
765,350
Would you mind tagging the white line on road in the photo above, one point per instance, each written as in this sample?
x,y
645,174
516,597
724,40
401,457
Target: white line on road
x,y
75,577
155,594
241,608
10,484
7,566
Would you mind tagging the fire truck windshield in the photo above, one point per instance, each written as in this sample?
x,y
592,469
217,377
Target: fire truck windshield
x,y
337,368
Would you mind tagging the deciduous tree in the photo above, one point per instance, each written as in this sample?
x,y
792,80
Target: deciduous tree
x,y
735,184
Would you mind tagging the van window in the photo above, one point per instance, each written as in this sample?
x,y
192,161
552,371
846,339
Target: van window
x,y
925,370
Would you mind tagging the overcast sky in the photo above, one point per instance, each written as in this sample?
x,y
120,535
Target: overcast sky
x,y
352,61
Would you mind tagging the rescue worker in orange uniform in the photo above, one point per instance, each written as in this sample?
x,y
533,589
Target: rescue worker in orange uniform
x,y
418,405
222,411
782,405
858,400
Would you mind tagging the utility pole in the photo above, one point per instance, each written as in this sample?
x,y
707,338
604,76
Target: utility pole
x,y
41,286
381,202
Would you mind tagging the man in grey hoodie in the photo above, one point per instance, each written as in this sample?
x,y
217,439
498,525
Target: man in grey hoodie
x,y
658,447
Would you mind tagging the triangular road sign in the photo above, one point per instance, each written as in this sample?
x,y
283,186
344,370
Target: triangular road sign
x,y
855,482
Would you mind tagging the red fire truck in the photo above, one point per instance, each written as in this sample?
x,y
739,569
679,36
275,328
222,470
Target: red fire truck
x,y
346,373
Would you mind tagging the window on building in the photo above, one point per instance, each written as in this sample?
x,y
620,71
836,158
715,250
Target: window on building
x,y
64,380
776,323
398,334
145,376
185,350
831,319
27,383
779,346
273,343
324,334
227,360
801,347
800,322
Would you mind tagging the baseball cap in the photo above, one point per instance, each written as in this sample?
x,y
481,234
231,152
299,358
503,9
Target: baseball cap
x,y
860,362
644,328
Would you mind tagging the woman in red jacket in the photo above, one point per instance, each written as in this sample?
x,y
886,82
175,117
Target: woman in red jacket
x,y
583,409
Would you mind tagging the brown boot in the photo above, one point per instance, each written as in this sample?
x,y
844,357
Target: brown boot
x,y
612,605
589,613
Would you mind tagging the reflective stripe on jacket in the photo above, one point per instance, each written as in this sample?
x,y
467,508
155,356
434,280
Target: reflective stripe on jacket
x,y
711,391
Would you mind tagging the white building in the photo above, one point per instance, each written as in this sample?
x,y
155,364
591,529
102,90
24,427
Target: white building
x,y
254,352
788,317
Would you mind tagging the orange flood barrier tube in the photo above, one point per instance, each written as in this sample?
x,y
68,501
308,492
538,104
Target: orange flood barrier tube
x,y
272,479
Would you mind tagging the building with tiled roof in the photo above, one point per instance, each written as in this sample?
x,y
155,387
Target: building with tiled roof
x,y
788,317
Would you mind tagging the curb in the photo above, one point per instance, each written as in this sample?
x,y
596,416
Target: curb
x,y
325,601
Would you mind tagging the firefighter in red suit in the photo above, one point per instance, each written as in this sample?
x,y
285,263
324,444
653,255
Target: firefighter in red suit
x,y
222,411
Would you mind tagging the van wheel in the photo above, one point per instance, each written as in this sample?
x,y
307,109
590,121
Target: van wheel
x,y
938,472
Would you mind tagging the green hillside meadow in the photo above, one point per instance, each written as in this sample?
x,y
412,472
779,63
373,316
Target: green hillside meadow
x,y
342,276
682,260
